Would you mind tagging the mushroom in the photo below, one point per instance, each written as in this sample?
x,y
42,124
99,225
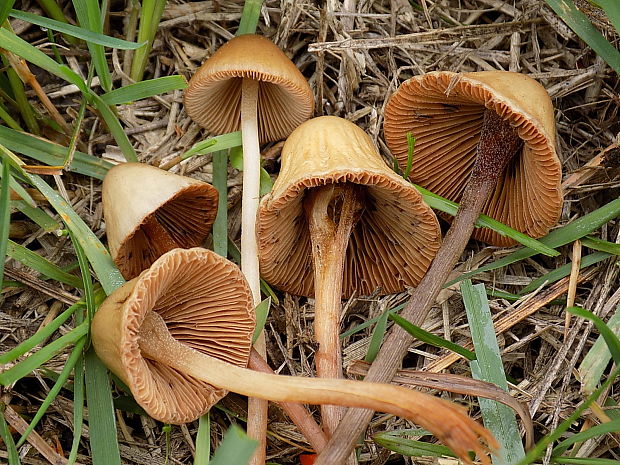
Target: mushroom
x,y
180,334
451,116
250,84
149,211
337,221
486,139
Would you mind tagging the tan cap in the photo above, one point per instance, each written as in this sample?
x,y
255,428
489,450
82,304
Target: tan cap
x,y
213,97
206,304
137,197
391,245
444,110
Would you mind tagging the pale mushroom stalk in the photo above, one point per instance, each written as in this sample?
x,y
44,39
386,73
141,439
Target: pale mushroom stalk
x,y
156,343
257,409
498,144
213,99
332,212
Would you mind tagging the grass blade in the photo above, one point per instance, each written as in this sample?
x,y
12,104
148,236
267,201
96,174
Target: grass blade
x,y
79,32
220,226
563,271
5,214
583,461
447,206
40,264
430,338
582,26
571,232
5,9
612,341
33,362
52,154
89,17
144,89
6,437
594,431
149,21
20,47
249,17
214,144
596,360
261,311
115,128
39,336
235,449
498,418
107,273
203,440
101,421
612,9
377,337
595,243
46,222
53,392
534,453
411,447
78,409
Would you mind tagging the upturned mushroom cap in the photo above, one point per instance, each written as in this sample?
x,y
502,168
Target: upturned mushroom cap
x,y
395,238
444,110
206,304
213,97
135,193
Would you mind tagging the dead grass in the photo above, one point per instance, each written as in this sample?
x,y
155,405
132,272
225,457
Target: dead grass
x,y
355,54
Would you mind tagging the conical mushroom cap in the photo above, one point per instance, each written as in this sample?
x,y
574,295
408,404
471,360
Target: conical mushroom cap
x,y
444,110
206,304
135,195
213,97
391,245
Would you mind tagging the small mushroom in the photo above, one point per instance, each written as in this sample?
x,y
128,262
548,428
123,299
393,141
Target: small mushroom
x,y
484,138
339,221
180,334
149,211
249,84
451,116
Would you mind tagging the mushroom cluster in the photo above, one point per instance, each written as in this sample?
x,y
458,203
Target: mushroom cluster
x,y
338,222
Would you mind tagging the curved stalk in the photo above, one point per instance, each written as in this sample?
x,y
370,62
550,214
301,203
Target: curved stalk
x,y
296,412
497,146
445,420
257,409
329,244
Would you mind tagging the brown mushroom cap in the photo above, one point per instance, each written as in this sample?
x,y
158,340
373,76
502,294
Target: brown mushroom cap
x,y
444,110
213,97
134,193
206,304
391,245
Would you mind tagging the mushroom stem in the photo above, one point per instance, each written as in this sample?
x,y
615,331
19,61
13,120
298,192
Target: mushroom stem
x,y
257,410
498,144
329,238
445,420
296,412
251,185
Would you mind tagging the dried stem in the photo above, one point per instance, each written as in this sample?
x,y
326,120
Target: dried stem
x,y
498,144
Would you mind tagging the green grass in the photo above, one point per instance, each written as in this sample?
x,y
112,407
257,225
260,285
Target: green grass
x,y
580,23
498,418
